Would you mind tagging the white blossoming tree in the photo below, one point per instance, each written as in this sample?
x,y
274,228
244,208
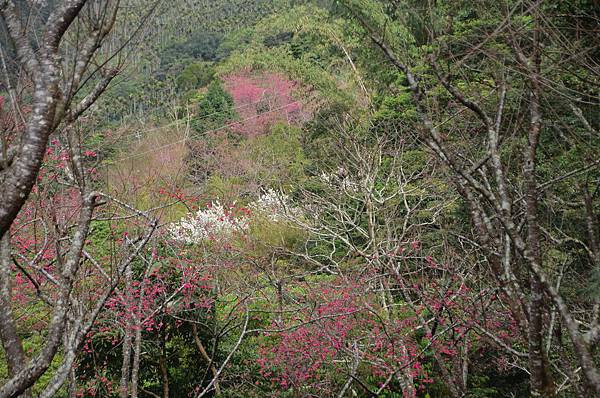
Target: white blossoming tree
x,y
214,222
275,205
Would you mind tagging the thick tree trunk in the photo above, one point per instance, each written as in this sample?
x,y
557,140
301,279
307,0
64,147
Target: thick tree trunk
x,y
126,365
11,342
137,346
542,381
135,368
164,370
18,179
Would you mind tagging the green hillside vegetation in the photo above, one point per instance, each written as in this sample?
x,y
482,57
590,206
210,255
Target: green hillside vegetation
x,y
357,198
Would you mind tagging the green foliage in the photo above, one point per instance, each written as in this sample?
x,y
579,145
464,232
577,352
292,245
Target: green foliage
x,y
302,42
272,160
200,46
281,154
342,77
268,234
196,75
214,108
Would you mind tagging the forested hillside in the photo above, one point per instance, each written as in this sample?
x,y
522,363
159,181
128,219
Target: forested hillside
x,y
299,198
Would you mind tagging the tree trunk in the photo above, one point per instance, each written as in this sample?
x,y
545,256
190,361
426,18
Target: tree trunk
x,y
126,365
207,358
164,371
11,342
542,382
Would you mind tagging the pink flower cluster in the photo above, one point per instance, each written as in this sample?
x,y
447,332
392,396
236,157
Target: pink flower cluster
x,y
262,100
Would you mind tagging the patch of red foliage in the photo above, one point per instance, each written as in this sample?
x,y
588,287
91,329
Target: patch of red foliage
x,y
262,100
